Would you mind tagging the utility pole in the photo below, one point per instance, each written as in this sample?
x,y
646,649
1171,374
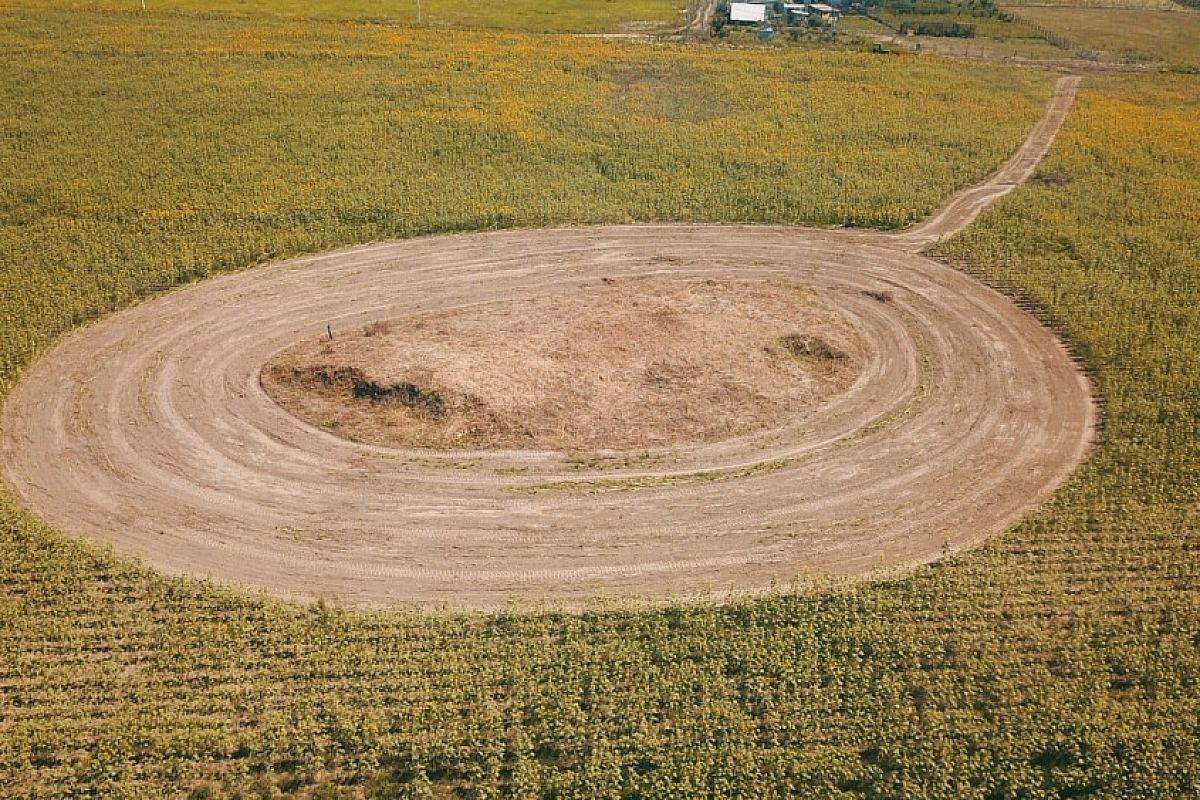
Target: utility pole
x,y
418,11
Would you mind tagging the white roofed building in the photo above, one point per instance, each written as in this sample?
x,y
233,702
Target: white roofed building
x,y
747,12
825,11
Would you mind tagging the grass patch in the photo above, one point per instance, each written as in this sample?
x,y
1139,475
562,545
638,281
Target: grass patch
x,y
529,16
1119,34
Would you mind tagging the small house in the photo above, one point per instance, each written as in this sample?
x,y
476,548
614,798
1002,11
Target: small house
x,y
825,12
796,12
748,13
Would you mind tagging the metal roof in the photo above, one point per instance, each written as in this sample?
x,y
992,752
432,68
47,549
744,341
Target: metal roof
x,y
747,12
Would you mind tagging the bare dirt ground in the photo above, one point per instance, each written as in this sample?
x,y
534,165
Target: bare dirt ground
x,y
700,22
634,363
150,430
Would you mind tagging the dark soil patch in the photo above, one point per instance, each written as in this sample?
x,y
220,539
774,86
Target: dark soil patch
x,y
1051,179
802,346
358,385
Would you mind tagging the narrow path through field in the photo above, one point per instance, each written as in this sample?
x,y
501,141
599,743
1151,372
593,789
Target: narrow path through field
x,y
150,431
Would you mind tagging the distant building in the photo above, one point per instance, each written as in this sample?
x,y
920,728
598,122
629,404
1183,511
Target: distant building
x,y
825,11
796,12
747,12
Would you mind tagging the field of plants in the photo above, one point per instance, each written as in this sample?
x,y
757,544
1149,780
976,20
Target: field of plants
x,y
1059,660
1118,34
534,16
312,135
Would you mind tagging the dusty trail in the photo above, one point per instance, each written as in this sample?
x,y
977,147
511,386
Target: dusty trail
x,y
149,430
965,207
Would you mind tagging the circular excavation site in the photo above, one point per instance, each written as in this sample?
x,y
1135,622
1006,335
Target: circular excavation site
x,y
557,416
642,413
631,364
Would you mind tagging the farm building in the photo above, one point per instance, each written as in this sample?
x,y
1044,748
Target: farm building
x,y
796,12
824,11
747,12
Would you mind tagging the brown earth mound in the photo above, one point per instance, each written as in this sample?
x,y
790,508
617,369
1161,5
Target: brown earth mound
x,y
615,364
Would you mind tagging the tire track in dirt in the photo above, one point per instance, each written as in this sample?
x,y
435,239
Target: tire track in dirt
x,y
149,430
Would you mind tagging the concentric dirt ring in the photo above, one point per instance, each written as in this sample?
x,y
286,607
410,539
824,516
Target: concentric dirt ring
x,y
149,430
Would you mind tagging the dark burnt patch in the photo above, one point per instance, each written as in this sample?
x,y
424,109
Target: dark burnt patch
x,y
354,381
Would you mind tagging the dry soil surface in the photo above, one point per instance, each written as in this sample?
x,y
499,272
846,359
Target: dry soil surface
x,y
150,430
611,364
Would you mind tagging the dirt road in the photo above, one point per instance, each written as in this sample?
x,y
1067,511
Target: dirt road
x,y
150,430
965,207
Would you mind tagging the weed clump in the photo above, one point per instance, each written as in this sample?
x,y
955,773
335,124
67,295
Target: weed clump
x,y
363,388
381,328
801,346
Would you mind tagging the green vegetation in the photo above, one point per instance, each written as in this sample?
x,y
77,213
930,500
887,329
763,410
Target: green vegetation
x,y
968,8
962,30
1061,660
534,16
